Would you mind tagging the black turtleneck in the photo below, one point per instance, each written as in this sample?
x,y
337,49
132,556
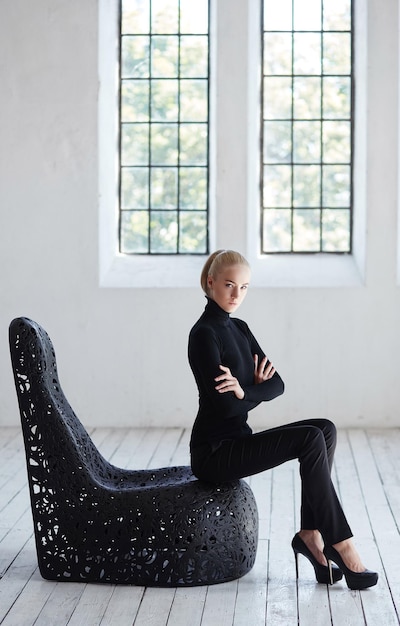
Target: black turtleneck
x,y
217,339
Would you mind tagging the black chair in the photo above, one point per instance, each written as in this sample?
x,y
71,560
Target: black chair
x,y
95,522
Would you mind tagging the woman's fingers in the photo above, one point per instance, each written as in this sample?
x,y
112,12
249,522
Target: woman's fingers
x,y
226,378
225,375
228,383
269,370
267,366
264,371
255,363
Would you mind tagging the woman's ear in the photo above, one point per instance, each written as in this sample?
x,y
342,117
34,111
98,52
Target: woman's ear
x,y
209,281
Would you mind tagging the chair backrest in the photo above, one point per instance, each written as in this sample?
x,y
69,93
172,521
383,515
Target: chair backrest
x,y
54,437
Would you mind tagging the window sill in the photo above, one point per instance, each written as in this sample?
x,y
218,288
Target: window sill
x,y
151,271
275,271
319,270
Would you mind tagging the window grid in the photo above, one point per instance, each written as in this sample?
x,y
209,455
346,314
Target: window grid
x,y
284,222
164,139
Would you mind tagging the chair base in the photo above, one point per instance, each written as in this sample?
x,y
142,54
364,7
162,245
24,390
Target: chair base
x,y
207,535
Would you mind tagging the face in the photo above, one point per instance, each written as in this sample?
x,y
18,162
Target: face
x,y
228,289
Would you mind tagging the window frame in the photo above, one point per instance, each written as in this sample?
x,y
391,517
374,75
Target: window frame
x,y
318,163
179,210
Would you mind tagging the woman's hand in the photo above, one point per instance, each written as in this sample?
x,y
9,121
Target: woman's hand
x,y
264,371
228,383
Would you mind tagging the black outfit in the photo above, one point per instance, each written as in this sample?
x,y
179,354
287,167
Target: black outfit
x,y
222,445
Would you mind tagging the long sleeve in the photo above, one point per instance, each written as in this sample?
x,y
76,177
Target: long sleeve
x,y
205,358
216,340
206,355
269,389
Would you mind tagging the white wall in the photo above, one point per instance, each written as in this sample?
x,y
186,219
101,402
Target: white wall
x,y
122,352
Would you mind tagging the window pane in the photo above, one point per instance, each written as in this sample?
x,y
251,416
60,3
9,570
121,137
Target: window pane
x,y
335,230
134,188
277,186
336,141
135,16
307,98
277,142
278,15
135,101
281,61
306,142
194,16
277,98
193,187
337,14
164,188
164,16
336,186
193,229
277,227
307,14
134,144
164,57
306,185
134,232
193,144
307,53
164,100
306,230
193,101
337,53
164,144
135,57
163,232
336,97
194,57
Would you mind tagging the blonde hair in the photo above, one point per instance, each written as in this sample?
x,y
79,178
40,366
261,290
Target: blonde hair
x,y
216,262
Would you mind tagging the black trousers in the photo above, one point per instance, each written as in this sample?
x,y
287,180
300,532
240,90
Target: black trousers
x,y
312,442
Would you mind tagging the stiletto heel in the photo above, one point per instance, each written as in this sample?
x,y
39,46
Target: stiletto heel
x,y
354,580
330,571
296,554
323,573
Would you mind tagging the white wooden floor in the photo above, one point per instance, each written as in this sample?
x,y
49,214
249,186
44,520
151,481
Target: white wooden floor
x,y
367,475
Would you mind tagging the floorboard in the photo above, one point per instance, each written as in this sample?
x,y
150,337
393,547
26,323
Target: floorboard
x,y
366,474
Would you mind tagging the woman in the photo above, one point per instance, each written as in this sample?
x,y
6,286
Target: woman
x,y
233,376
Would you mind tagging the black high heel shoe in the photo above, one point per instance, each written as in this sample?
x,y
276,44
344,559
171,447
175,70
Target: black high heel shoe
x,y
322,572
354,580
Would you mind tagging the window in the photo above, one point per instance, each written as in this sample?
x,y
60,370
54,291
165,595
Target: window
x,y
234,166
307,126
164,127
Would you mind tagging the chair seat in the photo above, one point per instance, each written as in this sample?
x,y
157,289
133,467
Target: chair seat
x,y
95,522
